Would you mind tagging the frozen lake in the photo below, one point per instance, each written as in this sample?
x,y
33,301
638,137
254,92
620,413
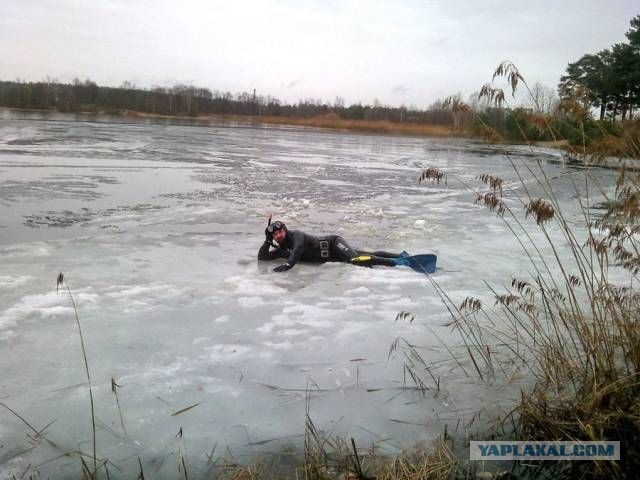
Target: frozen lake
x,y
156,228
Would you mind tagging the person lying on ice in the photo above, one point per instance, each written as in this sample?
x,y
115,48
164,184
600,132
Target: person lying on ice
x,y
296,246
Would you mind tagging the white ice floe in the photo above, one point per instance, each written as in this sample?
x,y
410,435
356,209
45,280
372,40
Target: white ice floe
x,y
333,182
27,250
139,292
300,316
222,319
350,328
249,284
358,291
359,307
400,303
250,302
86,300
42,306
205,211
294,332
7,281
226,352
278,345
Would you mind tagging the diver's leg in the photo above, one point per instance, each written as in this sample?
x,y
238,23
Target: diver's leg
x,y
379,253
371,260
341,251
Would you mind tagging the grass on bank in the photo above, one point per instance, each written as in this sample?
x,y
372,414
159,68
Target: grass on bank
x,y
568,326
333,121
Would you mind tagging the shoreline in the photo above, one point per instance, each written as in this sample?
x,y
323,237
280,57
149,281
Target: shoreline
x,y
329,121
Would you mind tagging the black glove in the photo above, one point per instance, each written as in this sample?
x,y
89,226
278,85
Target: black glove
x,y
282,268
268,237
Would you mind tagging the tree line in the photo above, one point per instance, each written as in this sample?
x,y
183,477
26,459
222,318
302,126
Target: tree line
x,y
186,100
610,78
607,82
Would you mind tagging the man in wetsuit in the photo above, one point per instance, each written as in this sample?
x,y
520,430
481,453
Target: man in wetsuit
x,y
295,245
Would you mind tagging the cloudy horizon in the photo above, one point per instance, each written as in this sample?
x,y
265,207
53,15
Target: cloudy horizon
x,y
410,52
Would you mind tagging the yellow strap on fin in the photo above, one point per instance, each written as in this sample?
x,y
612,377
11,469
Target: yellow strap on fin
x,y
361,258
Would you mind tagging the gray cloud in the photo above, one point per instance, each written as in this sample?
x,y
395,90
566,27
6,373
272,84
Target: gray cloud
x,y
437,47
400,90
294,83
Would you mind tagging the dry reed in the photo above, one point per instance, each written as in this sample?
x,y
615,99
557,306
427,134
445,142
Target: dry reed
x,y
333,121
576,332
60,283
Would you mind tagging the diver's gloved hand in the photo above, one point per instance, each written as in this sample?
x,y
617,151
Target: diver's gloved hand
x,y
283,268
268,238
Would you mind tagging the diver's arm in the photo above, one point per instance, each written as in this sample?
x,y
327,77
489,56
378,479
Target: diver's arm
x,y
297,241
264,253
297,250
283,268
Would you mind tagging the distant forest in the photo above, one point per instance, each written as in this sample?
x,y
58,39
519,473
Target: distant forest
x,y
184,100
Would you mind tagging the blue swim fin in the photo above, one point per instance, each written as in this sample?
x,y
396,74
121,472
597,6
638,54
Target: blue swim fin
x,y
425,263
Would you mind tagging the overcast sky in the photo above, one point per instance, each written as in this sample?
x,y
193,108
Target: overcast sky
x,y
399,52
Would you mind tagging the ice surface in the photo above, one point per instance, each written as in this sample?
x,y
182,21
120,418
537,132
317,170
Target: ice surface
x,y
156,229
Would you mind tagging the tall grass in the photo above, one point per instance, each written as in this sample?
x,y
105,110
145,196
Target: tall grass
x,y
333,121
570,325
330,121
61,284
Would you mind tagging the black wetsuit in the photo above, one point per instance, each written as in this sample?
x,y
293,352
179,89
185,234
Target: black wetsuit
x,y
330,248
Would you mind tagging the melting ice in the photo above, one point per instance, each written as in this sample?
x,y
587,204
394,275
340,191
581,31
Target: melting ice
x,y
156,229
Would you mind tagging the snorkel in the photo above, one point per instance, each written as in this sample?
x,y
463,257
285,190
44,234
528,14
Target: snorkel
x,y
268,225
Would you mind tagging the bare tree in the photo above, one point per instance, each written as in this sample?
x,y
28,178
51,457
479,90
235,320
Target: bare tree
x,y
543,99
